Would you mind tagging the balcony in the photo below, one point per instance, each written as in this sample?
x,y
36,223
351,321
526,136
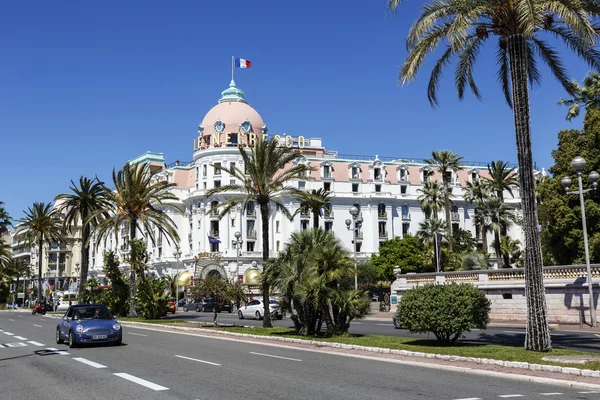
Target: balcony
x,y
214,213
358,235
251,213
251,234
455,216
383,234
304,214
214,234
327,214
382,214
406,217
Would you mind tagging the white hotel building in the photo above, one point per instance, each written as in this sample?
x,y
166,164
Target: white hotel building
x,y
384,189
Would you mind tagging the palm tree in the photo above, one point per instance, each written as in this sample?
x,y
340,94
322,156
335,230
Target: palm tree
x,y
268,169
137,200
5,253
518,24
16,268
314,201
429,232
431,197
502,178
85,203
497,217
480,222
477,192
446,162
587,96
4,219
40,225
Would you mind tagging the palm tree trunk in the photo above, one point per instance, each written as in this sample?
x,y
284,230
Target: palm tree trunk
x,y
132,312
85,252
498,250
447,211
504,232
537,335
41,256
484,243
264,216
315,219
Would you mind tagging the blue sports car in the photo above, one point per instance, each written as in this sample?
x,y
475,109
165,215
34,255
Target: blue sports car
x,y
88,323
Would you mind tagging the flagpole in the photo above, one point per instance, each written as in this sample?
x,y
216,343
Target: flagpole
x,y
232,66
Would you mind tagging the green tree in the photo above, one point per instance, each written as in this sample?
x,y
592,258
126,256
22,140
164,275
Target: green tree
x,y
477,192
15,269
511,251
314,201
138,201
218,289
152,297
431,197
520,27
430,232
115,296
5,219
5,253
560,213
587,96
502,178
86,204
446,162
406,253
497,218
269,168
40,225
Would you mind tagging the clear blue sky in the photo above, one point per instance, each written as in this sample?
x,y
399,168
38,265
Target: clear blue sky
x,y
85,86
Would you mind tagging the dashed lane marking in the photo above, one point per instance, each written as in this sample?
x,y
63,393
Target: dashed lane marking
x,y
9,334
588,392
88,362
17,344
519,332
37,326
57,351
20,316
11,320
36,343
136,334
470,398
140,381
506,396
357,323
384,324
20,338
1,346
270,355
200,361
551,394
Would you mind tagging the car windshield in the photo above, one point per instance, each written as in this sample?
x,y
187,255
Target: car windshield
x,y
92,312
273,302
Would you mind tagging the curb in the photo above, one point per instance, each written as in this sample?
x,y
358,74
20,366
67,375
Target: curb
x,y
488,361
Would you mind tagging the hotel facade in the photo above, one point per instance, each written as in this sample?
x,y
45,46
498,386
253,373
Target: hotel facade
x,y
384,190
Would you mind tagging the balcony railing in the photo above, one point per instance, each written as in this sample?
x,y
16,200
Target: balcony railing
x,y
383,234
358,234
214,213
406,217
251,234
382,214
305,213
327,213
214,233
455,216
251,213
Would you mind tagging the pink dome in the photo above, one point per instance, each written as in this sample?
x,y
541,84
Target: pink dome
x,y
232,114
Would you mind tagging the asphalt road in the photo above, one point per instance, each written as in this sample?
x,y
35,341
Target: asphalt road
x,y
583,341
161,365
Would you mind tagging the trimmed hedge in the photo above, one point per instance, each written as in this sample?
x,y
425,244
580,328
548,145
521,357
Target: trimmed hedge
x,y
447,311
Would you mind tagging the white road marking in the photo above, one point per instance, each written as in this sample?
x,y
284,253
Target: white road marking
x,y
9,334
269,355
136,334
11,320
505,396
140,381
18,344
1,346
195,359
551,394
519,332
88,362
470,398
588,392
357,323
384,324
20,338
20,316
57,351
36,343
38,326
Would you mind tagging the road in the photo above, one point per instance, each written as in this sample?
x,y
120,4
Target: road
x,y
582,341
160,365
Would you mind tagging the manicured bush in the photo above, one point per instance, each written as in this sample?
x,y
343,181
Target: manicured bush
x,y
447,311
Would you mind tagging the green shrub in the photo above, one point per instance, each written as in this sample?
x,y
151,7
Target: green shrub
x,y
447,311
152,297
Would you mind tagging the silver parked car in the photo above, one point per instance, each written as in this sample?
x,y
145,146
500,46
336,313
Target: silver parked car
x,y
255,309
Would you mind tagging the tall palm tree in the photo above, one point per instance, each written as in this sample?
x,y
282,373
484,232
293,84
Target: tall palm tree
x,y
83,204
137,201
5,253
497,217
480,222
40,225
502,178
431,198
446,161
477,192
16,268
519,25
429,232
314,201
587,96
4,219
268,169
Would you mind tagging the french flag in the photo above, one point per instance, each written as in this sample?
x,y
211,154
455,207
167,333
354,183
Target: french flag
x,y
241,63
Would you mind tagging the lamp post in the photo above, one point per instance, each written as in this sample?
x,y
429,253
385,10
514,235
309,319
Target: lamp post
x,y
357,220
177,255
78,277
578,165
238,247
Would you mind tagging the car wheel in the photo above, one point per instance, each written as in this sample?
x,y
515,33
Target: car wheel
x,y
72,340
203,309
185,309
240,314
396,323
197,309
257,315
118,341
59,339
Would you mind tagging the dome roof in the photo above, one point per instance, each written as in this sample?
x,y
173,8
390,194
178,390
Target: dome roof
x,y
232,111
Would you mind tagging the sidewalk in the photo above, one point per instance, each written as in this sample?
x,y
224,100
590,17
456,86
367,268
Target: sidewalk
x,y
515,324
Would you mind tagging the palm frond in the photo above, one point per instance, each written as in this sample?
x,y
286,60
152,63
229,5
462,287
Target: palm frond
x,y
504,71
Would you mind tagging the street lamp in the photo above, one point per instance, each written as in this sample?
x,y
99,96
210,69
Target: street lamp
x,y
237,244
578,165
78,277
358,220
177,255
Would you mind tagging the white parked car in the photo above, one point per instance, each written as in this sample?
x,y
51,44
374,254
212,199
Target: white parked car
x,y
255,309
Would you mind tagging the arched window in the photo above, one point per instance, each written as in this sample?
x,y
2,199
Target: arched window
x,y
214,207
250,209
381,210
